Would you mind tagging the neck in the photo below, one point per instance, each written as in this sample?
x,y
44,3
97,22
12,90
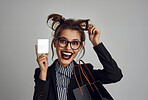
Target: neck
x,y
64,65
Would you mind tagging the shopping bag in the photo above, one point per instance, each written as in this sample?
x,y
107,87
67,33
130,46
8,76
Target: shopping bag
x,y
90,91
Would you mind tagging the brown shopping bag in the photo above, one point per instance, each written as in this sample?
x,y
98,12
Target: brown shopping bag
x,y
90,91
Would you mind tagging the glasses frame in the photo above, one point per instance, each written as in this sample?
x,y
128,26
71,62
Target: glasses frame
x,y
67,43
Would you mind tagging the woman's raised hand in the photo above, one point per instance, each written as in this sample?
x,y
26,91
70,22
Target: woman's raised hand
x,y
94,35
42,60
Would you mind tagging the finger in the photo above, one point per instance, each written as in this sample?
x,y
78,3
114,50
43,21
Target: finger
x,y
41,59
92,29
97,31
43,55
36,47
89,28
47,53
47,56
44,62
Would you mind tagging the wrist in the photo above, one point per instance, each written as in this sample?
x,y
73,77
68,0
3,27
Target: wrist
x,y
43,75
96,43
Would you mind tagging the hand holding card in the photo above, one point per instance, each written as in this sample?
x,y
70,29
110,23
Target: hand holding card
x,y
42,57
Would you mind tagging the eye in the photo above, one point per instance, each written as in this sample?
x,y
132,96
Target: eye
x,y
63,41
75,42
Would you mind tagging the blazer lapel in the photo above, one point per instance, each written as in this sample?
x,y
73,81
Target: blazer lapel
x,y
73,83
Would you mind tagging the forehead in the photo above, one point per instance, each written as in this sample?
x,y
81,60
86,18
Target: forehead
x,y
70,34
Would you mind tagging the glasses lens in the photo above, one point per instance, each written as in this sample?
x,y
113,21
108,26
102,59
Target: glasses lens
x,y
62,42
75,44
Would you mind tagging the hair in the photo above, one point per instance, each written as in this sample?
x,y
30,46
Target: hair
x,y
58,23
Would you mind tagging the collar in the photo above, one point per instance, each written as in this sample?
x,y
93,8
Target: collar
x,y
68,71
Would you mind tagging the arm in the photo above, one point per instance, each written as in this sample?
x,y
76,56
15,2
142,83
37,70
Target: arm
x,y
41,87
41,84
111,72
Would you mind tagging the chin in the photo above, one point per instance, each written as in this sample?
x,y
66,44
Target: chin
x,y
64,62
66,58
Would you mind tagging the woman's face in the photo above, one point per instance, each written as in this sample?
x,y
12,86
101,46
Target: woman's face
x,y
67,54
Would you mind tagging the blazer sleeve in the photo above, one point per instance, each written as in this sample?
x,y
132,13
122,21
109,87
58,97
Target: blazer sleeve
x,y
41,87
110,73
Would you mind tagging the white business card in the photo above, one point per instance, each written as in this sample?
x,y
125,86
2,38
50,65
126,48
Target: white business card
x,y
43,46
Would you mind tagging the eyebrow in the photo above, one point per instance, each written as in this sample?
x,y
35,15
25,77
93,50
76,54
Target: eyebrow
x,y
67,39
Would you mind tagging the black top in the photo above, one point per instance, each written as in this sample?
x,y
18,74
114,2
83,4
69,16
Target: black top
x,y
47,90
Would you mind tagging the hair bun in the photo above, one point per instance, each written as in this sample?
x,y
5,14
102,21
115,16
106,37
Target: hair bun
x,y
83,23
54,20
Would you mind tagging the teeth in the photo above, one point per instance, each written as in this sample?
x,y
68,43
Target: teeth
x,y
66,53
66,57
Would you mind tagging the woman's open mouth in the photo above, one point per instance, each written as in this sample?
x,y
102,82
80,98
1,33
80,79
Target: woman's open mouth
x,y
66,55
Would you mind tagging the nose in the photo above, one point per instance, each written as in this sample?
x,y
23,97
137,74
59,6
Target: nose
x,y
68,46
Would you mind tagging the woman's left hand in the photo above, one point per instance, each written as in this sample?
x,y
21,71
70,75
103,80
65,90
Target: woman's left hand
x,y
94,35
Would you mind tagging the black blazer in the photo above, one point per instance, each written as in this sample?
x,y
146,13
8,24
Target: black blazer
x,y
47,90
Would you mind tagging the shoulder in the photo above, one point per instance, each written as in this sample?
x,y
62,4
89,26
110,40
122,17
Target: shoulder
x,y
89,65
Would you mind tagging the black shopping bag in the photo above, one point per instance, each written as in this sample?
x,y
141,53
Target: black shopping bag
x,y
90,91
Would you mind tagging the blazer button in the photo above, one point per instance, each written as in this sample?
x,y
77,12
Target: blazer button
x,y
41,93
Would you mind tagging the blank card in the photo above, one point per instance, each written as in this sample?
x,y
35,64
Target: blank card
x,y
43,46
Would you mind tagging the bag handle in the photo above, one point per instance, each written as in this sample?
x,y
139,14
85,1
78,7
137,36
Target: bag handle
x,y
85,75
89,73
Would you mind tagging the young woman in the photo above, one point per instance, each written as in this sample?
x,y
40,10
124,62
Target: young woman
x,y
56,82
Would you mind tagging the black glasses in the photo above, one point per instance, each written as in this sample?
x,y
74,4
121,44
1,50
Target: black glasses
x,y
63,42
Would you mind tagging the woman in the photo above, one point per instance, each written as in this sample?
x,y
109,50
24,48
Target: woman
x,y
57,81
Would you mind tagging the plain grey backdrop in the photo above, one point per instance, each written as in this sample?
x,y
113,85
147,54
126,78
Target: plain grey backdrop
x,y
124,27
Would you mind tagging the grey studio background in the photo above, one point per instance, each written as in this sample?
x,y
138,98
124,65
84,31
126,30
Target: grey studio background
x,y
124,27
